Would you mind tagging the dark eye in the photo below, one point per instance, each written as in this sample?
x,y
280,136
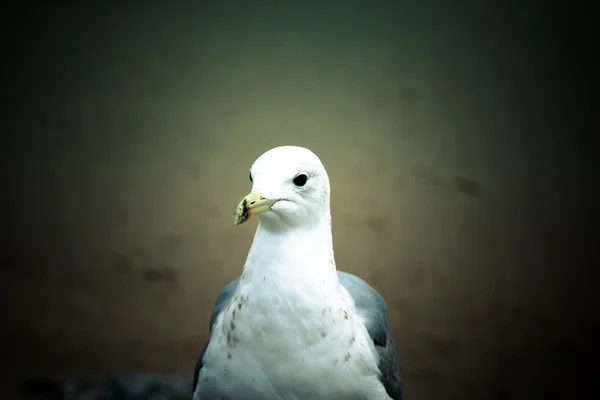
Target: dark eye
x,y
250,176
300,180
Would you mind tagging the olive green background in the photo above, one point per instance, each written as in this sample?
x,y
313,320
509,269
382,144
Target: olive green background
x,y
450,133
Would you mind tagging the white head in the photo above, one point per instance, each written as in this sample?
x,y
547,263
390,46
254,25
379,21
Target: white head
x,y
290,188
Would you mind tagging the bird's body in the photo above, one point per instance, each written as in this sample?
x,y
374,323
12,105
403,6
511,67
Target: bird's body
x,y
292,327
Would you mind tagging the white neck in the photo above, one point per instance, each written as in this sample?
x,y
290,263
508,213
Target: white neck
x,y
298,257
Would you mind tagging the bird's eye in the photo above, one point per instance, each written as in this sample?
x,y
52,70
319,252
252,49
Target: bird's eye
x,y
300,180
250,176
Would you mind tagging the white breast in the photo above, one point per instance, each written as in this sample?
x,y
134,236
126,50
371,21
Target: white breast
x,y
297,346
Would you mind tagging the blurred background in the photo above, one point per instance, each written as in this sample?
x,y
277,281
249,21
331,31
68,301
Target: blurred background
x,y
129,131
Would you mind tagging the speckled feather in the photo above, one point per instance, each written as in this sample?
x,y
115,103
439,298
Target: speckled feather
x,y
369,305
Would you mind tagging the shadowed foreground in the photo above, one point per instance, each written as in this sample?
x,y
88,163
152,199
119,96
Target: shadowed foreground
x,y
118,387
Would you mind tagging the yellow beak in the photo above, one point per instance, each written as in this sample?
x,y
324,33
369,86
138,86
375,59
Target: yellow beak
x,y
252,204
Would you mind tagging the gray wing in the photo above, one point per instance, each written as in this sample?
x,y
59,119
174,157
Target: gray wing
x,y
371,306
222,301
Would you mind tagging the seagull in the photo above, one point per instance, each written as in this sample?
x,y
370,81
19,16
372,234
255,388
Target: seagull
x,y
292,326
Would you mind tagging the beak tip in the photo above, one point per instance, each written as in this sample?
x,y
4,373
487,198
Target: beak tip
x,y
241,215
252,204
238,219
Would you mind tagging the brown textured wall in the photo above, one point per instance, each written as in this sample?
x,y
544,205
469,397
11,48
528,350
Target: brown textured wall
x,y
456,191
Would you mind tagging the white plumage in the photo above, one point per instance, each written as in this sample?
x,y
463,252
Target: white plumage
x,y
292,327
